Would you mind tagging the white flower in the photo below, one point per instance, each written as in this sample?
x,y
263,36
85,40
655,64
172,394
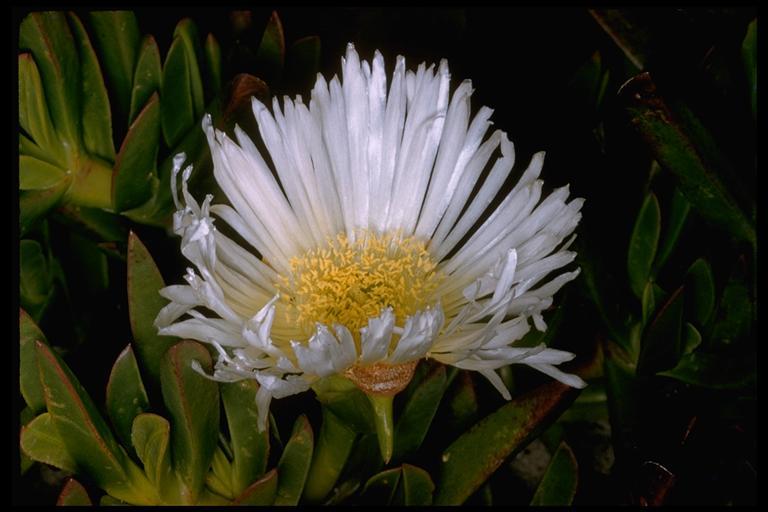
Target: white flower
x,y
364,252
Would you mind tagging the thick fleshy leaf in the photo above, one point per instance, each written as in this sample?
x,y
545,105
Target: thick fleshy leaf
x,y
73,495
219,478
558,485
474,456
332,449
648,301
187,31
193,404
34,204
213,64
364,460
346,401
678,214
33,109
662,341
619,371
150,437
293,467
700,286
94,222
462,403
417,414
734,318
47,36
41,442
29,376
118,37
643,244
135,164
381,487
250,447
417,486
146,78
629,35
90,263
110,501
270,55
126,396
144,303
692,338
37,174
675,147
749,56
261,492
717,371
177,108
95,113
302,62
35,279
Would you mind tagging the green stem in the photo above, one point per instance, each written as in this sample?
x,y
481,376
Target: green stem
x,y
331,452
385,428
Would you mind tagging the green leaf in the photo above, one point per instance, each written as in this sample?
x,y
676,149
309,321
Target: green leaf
x,y
333,446
37,174
715,371
643,244
627,32
417,486
177,108
293,467
417,414
346,401
749,56
675,147
35,279
88,439
150,436
110,501
41,442
249,446
558,485
474,456
648,301
147,77
586,82
34,204
187,31
219,478
47,36
270,55
662,341
95,223
33,109
700,284
620,381
118,37
261,492
302,62
144,303
213,64
381,487
734,315
462,403
135,164
29,376
678,214
73,494
126,396
193,404
90,263
95,112
692,339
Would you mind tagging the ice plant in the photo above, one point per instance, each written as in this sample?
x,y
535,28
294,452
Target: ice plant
x,y
367,249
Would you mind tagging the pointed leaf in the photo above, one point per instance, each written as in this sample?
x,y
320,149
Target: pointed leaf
x,y
93,222
462,403
293,467
110,501
135,164
474,456
678,214
186,30
673,140
213,64
147,77
334,444
35,279
627,32
117,38
418,412
29,376
73,494
150,436
95,112
126,396
700,284
662,341
47,36
36,174
33,109
302,62
648,301
249,446
381,487
715,371
417,486
643,244
41,442
749,56
734,315
177,108
692,339
271,53
144,303
193,404
261,492
558,485
34,204
346,401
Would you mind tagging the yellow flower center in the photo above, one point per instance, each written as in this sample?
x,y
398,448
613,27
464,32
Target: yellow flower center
x,y
349,281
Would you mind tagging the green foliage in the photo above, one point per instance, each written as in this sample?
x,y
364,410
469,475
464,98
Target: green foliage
x,y
558,486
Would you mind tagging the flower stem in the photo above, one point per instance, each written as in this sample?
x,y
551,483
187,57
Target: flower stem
x,y
382,413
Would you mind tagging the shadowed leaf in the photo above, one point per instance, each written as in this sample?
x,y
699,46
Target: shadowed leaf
x,y
150,436
146,78
662,341
417,486
334,443
29,376
177,107
34,117
126,396
643,244
270,55
559,483
677,215
187,31
293,467
417,414
261,492
73,494
700,284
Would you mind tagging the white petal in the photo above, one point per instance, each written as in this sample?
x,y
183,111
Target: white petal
x,y
376,337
